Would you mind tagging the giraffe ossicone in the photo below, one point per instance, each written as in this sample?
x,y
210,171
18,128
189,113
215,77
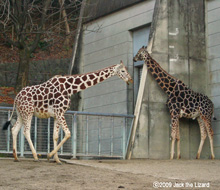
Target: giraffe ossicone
x,y
52,99
182,102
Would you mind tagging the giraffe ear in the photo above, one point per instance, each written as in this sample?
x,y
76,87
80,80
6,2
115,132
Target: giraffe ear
x,y
142,46
121,62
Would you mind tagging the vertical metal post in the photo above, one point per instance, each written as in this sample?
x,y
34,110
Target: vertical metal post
x,y
87,134
61,138
112,136
8,135
74,140
35,133
48,137
99,136
124,138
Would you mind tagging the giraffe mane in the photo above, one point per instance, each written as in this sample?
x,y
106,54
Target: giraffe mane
x,y
158,65
75,75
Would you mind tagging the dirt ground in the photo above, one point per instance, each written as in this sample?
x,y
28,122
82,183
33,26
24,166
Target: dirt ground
x,y
109,174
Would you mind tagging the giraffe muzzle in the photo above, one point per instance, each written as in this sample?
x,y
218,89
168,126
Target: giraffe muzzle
x,y
134,59
129,81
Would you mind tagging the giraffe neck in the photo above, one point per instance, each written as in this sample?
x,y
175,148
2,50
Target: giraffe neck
x,y
166,81
69,85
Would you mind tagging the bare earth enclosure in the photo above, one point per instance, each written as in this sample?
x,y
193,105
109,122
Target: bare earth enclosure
x,y
109,174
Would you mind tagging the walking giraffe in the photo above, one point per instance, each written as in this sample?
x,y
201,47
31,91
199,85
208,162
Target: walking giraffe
x,y
52,99
182,102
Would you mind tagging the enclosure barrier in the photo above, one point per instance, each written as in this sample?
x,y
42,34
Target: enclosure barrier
x,y
92,135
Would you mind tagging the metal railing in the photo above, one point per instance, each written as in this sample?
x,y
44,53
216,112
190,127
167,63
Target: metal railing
x,y
92,134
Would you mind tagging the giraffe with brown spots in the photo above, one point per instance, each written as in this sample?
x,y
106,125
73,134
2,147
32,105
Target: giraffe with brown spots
x,y
52,99
182,102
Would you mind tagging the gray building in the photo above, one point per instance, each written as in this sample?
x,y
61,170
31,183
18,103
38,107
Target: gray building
x,y
186,44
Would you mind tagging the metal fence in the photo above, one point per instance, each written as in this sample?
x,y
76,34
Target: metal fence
x,y
92,135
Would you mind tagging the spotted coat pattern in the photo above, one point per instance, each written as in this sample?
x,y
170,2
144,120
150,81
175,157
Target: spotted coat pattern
x,y
52,99
182,102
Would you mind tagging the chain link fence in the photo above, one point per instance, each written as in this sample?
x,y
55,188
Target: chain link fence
x,y
92,135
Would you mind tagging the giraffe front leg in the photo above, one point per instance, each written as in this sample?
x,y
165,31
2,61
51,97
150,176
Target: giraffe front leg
x,y
16,128
174,122
55,139
172,147
67,136
27,128
178,142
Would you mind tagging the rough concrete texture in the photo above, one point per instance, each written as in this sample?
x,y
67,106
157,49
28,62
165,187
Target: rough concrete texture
x,y
112,43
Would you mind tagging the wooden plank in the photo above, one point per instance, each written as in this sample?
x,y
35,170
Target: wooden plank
x,y
138,105
142,85
137,111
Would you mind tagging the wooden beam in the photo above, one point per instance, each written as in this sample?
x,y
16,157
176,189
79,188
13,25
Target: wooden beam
x,y
138,107
142,83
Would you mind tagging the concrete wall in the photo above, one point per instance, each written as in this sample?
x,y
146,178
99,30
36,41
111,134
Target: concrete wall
x,y
106,47
213,56
180,48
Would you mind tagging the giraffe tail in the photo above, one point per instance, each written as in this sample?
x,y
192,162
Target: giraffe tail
x,y
213,116
6,125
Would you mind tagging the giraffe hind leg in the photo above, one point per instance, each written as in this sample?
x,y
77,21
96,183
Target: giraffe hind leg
x,y
27,128
203,134
15,129
210,135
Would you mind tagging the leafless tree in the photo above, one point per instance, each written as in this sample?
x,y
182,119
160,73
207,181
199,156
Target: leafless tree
x,y
26,23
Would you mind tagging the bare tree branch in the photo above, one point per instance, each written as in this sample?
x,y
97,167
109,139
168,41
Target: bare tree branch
x,y
10,41
79,26
37,38
63,11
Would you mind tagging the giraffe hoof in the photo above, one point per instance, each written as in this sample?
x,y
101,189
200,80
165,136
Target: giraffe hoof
x,y
16,160
48,157
58,161
36,160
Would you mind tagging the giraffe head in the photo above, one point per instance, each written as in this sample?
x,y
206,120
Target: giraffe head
x,y
122,72
141,55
